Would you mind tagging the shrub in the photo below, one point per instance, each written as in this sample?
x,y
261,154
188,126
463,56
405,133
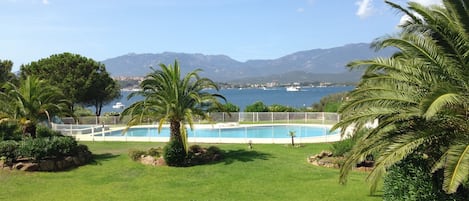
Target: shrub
x,y
214,151
280,108
43,131
258,106
33,147
198,155
230,107
341,148
135,154
53,147
411,180
62,146
174,154
8,149
155,152
9,131
330,103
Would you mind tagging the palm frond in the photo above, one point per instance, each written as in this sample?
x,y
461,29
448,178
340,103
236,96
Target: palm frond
x,y
457,167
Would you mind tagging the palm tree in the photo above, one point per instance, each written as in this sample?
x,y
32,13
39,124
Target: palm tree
x,y
34,100
420,95
168,97
292,134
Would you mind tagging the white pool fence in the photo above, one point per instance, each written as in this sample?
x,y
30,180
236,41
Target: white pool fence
x,y
94,129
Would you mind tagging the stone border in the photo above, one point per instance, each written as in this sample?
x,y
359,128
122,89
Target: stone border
x,y
49,165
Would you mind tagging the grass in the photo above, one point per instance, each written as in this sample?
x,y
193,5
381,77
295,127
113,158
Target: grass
x,y
268,172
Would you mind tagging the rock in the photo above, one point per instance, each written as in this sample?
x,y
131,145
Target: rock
x,y
29,167
26,166
76,161
84,157
47,165
160,161
18,166
148,160
325,154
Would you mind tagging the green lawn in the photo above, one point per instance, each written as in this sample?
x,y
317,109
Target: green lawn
x,y
268,172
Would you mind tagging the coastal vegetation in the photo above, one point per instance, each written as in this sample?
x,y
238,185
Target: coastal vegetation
x,y
82,80
31,102
330,103
26,142
420,98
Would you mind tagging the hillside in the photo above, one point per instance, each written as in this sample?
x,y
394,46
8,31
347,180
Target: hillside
x,y
311,65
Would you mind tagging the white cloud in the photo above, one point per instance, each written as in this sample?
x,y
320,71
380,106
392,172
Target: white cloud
x,y
45,2
300,10
365,8
406,18
429,2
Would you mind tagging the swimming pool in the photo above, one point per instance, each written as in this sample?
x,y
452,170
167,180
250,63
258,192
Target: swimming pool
x,y
259,131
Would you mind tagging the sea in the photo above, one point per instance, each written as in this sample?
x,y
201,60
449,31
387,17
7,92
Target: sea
x,y
247,96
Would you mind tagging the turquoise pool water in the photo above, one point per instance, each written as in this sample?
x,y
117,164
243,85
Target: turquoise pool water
x,y
273,131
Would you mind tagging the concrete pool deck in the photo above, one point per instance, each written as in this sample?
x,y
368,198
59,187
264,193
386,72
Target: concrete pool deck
x,y
242,140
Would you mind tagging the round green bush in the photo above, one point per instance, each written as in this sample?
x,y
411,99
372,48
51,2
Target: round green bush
x,y
8,149
9,131
53,147
43,131
174,154
412,180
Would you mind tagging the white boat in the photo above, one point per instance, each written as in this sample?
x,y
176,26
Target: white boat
x,y
293,88
118,105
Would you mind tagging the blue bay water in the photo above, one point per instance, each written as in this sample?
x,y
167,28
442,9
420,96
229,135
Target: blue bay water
x,y
243,97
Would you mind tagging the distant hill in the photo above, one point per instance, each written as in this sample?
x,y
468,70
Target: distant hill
x,y
311,65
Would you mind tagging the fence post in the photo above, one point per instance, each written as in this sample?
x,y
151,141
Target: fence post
x,y
323,118
102,130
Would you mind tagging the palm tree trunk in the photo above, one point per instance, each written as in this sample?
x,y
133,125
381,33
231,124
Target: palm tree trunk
x,y
29,129
175,132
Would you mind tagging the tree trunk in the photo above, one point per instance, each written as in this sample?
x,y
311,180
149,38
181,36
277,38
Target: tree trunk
x,y
29,129
175,132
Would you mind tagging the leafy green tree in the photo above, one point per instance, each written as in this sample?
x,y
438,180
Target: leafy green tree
x,y
101,90
74,75
258,106
168,97
420,96
5,71
33,101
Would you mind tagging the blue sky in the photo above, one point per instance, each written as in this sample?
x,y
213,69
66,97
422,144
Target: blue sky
x,y
241,29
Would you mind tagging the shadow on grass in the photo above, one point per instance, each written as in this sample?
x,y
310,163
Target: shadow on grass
x,y
244,156
97,158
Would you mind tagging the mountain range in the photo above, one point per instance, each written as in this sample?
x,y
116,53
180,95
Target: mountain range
x,y
316,65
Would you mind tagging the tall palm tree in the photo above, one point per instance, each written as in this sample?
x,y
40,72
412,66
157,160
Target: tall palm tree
x,y
34,100
168,97
420,95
